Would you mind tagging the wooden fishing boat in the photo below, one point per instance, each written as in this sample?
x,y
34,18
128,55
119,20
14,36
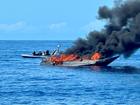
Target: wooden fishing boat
x,y
79,63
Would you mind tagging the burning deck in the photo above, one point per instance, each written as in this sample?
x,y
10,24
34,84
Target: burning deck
x,y
79,63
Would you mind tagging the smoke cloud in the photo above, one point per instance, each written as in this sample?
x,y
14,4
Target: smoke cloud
x,y
120,35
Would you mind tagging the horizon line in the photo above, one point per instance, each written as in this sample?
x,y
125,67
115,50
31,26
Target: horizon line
x,y
33,40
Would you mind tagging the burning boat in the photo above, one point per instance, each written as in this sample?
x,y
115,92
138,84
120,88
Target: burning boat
x,y
120,35
73,60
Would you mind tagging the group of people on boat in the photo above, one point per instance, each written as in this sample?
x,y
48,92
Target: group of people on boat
x,y
41,53
47,52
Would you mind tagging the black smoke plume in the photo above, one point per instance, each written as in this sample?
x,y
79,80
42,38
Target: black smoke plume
x,y
121,34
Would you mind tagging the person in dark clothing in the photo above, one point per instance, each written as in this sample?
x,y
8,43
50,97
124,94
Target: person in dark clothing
x,y
47,52
40,53
34,53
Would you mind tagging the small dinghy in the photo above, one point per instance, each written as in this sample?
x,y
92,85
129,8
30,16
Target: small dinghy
x,y
39,54
33,56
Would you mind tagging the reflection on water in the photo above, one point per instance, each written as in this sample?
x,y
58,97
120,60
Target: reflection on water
x,y
117,69
107,69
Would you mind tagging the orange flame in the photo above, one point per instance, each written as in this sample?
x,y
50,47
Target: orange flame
x,y
71,57
62,58
96,56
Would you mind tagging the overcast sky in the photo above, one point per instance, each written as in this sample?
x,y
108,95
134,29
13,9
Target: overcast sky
x,y
49,19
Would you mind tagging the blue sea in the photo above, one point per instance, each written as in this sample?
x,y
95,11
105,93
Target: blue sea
x,y
26,82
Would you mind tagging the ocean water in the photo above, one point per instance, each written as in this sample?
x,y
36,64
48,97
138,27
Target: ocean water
x,y
27,82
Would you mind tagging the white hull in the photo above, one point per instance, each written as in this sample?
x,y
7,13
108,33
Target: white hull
x,y
32,56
